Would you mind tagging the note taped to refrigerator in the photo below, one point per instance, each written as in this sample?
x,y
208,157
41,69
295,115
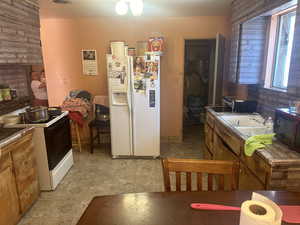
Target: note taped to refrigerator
x,y
118,78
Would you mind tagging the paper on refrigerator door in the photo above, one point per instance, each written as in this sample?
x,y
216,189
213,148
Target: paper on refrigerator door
x,y
118,74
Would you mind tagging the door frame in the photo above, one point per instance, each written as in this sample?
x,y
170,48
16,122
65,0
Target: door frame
x,y
182,70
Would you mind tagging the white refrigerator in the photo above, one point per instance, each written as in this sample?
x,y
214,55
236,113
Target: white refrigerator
x,y
134,96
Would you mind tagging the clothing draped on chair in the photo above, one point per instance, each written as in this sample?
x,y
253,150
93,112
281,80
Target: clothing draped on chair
x,y
78,104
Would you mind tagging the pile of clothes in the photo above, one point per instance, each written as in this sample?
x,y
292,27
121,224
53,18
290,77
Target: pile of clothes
x,y
78,103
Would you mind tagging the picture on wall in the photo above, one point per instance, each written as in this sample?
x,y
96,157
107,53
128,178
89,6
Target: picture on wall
x,y
39,88
89,62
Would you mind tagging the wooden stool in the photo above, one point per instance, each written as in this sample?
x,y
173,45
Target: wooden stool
x,y
77,133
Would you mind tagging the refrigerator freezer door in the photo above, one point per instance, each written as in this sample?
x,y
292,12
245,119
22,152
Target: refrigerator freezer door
x,y
121,137
120,131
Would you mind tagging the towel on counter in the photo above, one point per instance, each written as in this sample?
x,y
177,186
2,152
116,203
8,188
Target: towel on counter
x,y
257,142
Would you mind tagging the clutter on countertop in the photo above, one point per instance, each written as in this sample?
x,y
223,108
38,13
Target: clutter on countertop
x,y
11,120
291,213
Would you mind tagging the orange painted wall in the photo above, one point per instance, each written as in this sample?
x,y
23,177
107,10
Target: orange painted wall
x,y
63,40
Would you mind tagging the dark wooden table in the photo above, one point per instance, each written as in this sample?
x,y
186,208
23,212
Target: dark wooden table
x,y
173,208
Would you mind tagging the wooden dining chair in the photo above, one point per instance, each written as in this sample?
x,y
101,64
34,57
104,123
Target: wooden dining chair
x,y
215,170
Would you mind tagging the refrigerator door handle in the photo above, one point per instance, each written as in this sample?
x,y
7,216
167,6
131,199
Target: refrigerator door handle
x,y
130,104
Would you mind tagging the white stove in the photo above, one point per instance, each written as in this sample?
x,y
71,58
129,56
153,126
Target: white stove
x,y
52,148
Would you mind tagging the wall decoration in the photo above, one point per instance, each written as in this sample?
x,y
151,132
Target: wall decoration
x,y
39,88
89,62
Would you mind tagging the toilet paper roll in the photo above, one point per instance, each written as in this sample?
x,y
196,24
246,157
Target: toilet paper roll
x,y
260,211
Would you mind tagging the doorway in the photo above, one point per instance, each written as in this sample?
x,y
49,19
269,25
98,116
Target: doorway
x,y
199,67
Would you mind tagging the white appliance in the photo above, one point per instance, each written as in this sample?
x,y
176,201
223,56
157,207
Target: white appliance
x,y
134,95
52,149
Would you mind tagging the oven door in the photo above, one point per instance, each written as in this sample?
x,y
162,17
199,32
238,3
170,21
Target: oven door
x,y
58,141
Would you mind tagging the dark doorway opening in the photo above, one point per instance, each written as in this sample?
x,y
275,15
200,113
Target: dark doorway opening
x,y
199,67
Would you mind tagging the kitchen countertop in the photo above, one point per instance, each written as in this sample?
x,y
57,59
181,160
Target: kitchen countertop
x,y
275,154
9,135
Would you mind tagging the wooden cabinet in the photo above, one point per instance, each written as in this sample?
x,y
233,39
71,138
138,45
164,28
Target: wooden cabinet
x,y
25,170
229,137
19,187
9,203
275,168
222,151
207,154
257,165
209,138
247,181
224,144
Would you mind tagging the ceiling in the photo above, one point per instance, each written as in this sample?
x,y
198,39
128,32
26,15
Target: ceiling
x,y
85,8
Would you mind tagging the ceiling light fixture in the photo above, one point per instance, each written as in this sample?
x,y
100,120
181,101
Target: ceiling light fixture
x,y
136,7
121,8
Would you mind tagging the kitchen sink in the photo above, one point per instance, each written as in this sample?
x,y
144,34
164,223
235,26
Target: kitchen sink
x,y
252,131
244,120
248,125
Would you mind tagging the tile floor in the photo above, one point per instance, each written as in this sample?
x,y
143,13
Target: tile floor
x,y
98,174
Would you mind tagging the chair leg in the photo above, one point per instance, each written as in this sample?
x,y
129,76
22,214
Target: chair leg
x,y
78,137
91,140
98,136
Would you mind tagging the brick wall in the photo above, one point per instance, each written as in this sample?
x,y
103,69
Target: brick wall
x,y
252,47
242,11
16,77
269,100
20,32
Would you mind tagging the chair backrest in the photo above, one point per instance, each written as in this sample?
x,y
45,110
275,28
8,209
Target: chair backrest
x,y
214,170
101,109
101,100
101,105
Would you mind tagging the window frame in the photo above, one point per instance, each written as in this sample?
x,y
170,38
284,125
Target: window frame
x,y
272,48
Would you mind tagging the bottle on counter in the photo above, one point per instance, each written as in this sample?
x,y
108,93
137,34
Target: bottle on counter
x,y
5,92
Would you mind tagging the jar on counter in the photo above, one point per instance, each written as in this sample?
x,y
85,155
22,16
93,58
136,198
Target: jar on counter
x,y
13,93
6,94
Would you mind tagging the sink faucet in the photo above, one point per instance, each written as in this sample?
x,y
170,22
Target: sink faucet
x,y
268,121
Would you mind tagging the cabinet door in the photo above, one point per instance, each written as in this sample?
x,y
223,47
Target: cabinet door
x,y
9,204
26,173
247,181
208,137
207,154
222,151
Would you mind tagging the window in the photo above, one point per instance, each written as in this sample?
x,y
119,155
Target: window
x,y
280,49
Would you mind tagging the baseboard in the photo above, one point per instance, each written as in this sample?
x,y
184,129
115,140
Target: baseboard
x,y
171,139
